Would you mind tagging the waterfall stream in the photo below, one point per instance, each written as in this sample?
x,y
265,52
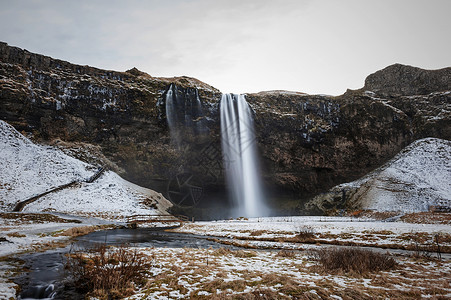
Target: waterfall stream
x,y
240,156
184,115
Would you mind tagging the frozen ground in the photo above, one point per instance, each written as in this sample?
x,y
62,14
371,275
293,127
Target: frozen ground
x,y
286,270
29,169
249,274
296,232
222,273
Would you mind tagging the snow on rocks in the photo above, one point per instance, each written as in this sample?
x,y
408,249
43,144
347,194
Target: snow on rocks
x,y
415,180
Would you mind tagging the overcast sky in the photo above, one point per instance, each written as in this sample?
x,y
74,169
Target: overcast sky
x,y
318,47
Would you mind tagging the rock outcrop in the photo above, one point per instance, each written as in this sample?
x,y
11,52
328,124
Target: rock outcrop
x,y
404,80
308,143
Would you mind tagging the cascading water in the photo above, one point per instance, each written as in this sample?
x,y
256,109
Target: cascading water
x,y
171,116
184,114
240,156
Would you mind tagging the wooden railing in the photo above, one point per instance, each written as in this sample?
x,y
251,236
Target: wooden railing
x,y
20,205
141,219
96,175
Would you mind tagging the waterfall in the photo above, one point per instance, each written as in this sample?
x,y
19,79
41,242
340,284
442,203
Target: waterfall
x,y
184,115
240,156
171,115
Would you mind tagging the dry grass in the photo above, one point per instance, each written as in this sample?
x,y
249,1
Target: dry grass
x,y
83,230
427,218
353,260
378,232
286,253
225,278
304,234
107,273
35,218
244,254
16,234
373,214
257,232
221,251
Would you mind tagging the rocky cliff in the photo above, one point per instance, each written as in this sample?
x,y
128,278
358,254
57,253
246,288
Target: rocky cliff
x,y
308,143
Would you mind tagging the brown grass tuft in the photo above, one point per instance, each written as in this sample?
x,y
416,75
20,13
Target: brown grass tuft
x,y
257,232
286,253
244,254
107,273
353,260
83,230
16,234
221,251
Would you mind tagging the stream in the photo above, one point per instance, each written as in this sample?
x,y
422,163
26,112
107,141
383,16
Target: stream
x,y
46,270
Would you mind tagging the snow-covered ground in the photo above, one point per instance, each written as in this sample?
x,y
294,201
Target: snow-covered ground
x,y
415,180
296,232
248,274
110,197
184,273
29,169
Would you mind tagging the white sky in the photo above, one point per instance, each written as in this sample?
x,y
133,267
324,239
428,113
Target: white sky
x,y
323,46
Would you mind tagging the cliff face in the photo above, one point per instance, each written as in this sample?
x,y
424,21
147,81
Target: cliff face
x,y
122,112
308,143
404,80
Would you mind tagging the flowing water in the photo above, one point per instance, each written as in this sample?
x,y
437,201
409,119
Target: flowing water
x,y
184,114
46,270
240,156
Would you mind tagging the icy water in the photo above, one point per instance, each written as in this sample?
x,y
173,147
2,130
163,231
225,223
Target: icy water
x,y
47,269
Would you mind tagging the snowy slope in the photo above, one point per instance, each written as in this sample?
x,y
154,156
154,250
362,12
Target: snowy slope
x,y
414,180
27,169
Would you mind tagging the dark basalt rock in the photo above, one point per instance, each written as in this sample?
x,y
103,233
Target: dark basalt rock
x,y
405,80
308,143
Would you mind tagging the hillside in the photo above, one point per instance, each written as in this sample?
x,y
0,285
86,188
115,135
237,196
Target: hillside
x,y
415,180
29,169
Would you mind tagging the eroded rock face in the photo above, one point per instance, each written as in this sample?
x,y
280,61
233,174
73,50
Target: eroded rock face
x,y
404,80
308,143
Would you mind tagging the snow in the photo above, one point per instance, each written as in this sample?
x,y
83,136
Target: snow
x,y
276,232
7,290
118,198
23,236
415,180
185,273
29,169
